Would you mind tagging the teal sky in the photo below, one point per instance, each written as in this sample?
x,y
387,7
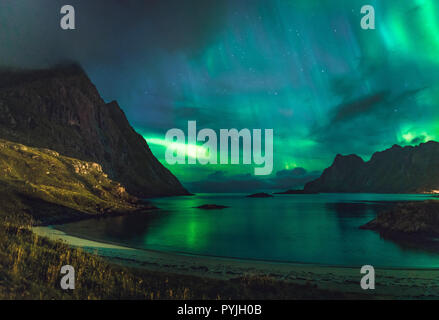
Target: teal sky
x,y
303,68
308,70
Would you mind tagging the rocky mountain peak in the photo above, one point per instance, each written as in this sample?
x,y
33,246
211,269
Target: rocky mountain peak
x,y
61,109
395,170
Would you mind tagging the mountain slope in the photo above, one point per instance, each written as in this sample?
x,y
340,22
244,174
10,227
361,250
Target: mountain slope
x,y
60,109
50,188
395,170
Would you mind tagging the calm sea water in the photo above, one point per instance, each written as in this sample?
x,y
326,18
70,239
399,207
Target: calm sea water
x,y
320,229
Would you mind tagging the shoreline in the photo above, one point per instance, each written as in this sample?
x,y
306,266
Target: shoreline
x,y
71,238
390,283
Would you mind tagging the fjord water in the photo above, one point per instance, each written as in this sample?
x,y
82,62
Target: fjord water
x,y
313,228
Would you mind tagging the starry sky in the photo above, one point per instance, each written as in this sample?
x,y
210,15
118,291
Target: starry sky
x,y
304,68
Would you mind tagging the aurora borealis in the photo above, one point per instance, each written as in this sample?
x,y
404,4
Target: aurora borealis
x,y
303,68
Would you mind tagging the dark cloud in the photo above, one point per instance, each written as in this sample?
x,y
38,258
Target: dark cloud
x,y
418,140
293,179
361,106
360,125
134,51
217,175
284,179
415,141
344,87
291,173
105,30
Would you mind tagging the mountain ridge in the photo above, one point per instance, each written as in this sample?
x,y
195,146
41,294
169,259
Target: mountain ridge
x,y
408,169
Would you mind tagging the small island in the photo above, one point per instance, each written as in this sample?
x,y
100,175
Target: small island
x,y
211,207
408,218
291,191
260,195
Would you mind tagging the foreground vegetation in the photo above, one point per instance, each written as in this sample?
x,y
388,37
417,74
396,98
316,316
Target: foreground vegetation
x,y
30,269
50,188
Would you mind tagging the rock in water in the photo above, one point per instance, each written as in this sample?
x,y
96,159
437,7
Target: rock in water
x,y
61,109
409,218
291,191
259,195
395,170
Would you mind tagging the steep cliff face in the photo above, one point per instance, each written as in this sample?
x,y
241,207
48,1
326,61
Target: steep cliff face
x,y
395,170
61,109
341,176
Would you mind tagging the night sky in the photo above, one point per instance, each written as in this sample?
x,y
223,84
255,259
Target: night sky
x,y
304,68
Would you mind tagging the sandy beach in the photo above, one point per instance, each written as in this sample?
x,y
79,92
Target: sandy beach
x,y
390,283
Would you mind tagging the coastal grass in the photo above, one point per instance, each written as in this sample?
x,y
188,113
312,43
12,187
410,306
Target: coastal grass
x,y
30,269
52,188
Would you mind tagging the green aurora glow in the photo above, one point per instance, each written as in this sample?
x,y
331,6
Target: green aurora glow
x,y
304,68
307,70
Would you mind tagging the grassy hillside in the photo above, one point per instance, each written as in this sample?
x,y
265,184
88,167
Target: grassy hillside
x,y
45,187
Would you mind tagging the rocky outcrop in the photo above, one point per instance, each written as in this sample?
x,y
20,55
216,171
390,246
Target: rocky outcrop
x,y
60,109
395,170
51,188
411,218
259,195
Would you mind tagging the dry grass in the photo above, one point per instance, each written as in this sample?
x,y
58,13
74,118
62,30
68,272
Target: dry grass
x,y
30,269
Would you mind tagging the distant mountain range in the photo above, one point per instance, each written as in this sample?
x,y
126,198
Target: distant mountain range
x,y
395,170
60,109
